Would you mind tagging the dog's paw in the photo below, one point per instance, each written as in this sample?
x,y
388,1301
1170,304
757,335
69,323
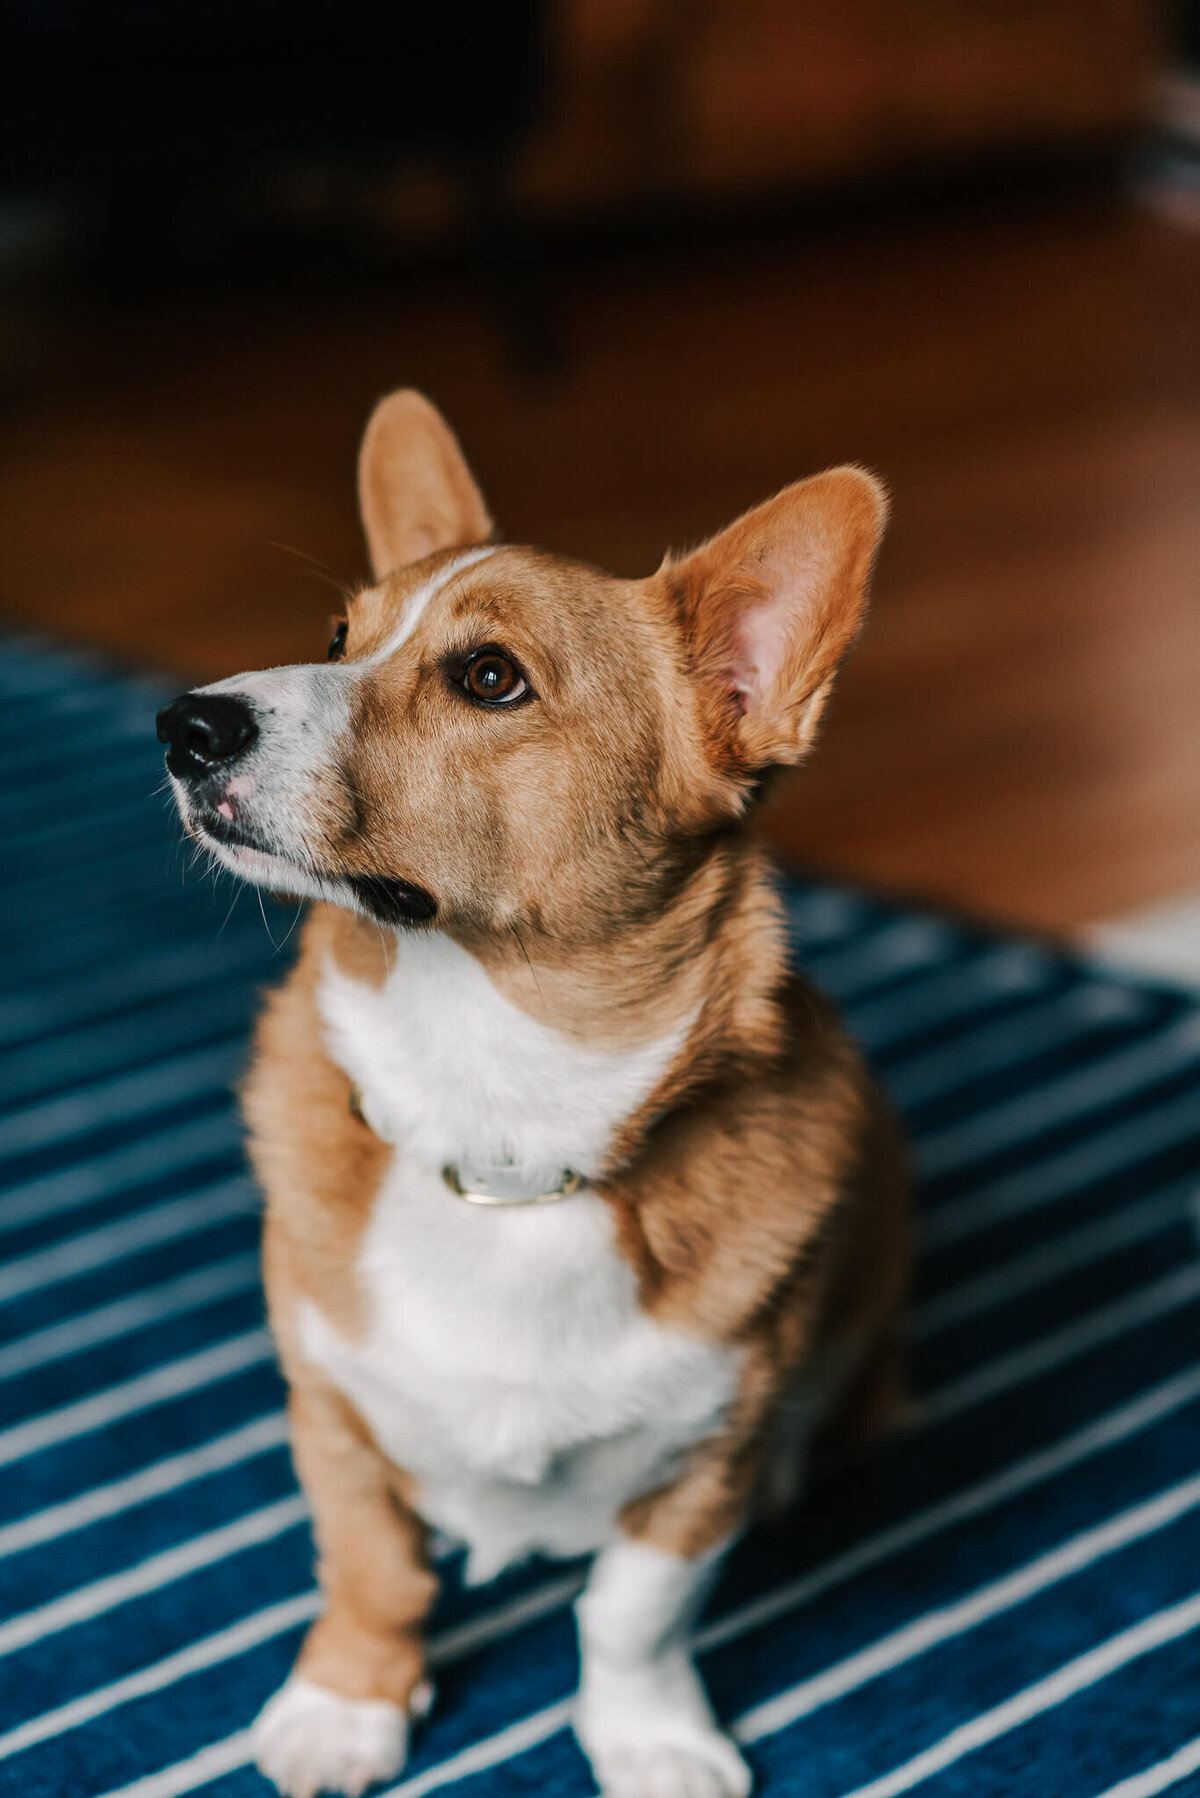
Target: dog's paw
x,y
309,1740
649,1733
642,1715
709,1766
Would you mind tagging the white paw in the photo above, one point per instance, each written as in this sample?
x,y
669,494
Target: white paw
x,y
309,1740
707,1767
649,1732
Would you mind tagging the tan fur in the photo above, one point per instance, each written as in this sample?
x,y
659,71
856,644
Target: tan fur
x,y
318,1164
414,490
373,1569
592,851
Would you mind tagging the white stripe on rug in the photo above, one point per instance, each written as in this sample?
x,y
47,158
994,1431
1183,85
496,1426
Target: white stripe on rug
x,y
191,1373
167,971
1016,971
1072,1250
894,947
170,1081
1064,1174
1162,1776
262,1626
1115,1427
1052,1103
150,1575
154,1481
151,1157
147,1305
975,1055
1044,1695
1107,1323
158,1224
978,1607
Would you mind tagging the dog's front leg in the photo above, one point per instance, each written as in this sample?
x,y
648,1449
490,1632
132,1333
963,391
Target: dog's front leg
x,y
341,1720
643,1718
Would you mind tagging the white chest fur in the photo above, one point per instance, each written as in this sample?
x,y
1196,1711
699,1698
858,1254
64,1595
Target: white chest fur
x,y
506,1364
450,1071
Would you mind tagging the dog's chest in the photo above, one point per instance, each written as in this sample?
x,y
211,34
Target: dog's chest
x,y
449,1070
506,1364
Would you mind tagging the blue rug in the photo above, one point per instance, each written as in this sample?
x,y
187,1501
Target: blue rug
x,y
1005,1600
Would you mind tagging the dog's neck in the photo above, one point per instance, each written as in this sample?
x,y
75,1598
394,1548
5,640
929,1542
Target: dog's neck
x,y
548,1056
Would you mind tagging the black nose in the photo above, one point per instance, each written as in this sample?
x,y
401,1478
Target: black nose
x,y
204,730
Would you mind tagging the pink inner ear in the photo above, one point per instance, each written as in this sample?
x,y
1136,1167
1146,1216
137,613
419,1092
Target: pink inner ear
x,y
790,577
760,644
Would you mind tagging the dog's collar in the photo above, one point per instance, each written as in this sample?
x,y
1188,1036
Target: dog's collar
x,y
493,1186
501,1188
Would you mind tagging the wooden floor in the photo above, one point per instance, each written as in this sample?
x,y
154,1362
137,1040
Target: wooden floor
x,y
1019,732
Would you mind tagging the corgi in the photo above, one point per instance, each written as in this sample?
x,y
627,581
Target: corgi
x,y
582,1213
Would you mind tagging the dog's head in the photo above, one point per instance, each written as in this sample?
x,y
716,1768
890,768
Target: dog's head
x,y
501,736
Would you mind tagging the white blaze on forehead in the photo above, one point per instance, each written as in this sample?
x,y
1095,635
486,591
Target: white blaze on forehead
x,y
318,690
418,603
304,687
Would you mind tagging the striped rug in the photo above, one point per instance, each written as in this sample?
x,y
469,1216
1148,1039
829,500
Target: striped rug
x,y
1005,1600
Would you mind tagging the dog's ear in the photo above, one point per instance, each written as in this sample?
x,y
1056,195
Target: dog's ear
x,y
415,490
771,605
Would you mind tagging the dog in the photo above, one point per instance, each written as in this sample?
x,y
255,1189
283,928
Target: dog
x,y
583,1216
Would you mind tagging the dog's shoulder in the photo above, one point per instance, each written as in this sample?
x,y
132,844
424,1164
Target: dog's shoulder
x,y
751,1197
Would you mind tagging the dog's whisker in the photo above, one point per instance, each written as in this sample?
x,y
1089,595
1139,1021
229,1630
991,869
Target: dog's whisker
x,y
318,569
291,929
524,951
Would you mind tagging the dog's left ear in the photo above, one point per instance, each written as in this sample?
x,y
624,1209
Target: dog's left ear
x,y
771,605
415,490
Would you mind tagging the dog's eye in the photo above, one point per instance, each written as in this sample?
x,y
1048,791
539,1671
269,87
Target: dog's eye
x,y
337,643
492,678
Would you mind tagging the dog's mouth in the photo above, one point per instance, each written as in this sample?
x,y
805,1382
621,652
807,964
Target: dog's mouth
x,y
242,852
386,898
391,900
205,822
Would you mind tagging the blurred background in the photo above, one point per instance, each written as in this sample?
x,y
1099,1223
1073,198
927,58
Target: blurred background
x,y
654,258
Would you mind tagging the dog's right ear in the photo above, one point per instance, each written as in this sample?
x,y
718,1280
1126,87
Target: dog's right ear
x,y
770,606
415,490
